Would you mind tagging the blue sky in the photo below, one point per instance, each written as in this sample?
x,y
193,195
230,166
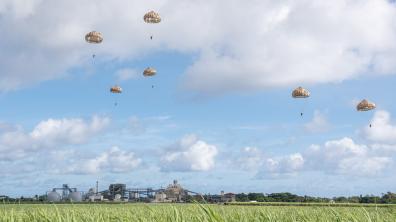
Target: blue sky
x,y
221,115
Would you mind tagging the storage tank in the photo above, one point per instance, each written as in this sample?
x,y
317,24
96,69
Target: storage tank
x,y
75,196
53,196
117,197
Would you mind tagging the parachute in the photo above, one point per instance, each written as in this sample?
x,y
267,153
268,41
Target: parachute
x,y
300,93
94,37
116,89
149,72
365,105
152,17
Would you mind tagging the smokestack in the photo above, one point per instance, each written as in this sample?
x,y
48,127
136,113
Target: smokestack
x,y
222,193
97,187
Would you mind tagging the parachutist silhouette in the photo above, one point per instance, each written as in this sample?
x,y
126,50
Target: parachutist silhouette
x,y
301,114
93,56
151,37
370,125
115,104
152,86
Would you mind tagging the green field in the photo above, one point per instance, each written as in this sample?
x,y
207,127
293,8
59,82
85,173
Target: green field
x,y
192,212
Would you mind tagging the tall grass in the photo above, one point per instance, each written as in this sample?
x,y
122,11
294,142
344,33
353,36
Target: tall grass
x,y
190,213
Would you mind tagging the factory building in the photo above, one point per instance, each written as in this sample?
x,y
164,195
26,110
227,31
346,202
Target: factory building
x,y
173,193
119,192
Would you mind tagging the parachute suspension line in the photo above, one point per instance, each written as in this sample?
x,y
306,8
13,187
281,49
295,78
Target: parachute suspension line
x,y
94,37
116,90
365,106
301,94
152,17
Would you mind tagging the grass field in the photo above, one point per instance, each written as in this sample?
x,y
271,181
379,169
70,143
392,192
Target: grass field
x,y
191,212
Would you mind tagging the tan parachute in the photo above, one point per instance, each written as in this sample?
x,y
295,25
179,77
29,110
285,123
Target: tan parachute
x,y
149,72
365,105
152,17
94,37
116,89
300,93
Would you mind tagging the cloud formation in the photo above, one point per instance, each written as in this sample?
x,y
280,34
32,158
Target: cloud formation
x,y
318,124
50,134
189,154
113,160
344,156
253,159
244,46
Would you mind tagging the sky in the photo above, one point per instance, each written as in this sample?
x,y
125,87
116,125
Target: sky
x,y
220,115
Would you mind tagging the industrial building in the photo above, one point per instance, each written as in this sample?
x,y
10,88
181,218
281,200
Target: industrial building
x,y
65,193
119,192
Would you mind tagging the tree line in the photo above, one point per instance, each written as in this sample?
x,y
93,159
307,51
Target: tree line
x,y
387,198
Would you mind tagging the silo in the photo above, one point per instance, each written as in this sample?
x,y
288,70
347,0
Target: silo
x,y
53,196
75,196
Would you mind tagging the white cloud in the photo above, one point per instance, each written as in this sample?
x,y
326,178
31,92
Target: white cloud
x,y
189,154
344,156
250,159
49,134
318,123
126,74
282,166
382,130
68,131
253,159
114,160
245,46
302,42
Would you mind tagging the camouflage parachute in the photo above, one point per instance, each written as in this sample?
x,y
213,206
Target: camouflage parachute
x,y
152,17
94,37
300,93
365,105
116,89
149,72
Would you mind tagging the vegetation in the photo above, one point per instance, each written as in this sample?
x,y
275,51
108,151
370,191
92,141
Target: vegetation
x,y
190,213
388,198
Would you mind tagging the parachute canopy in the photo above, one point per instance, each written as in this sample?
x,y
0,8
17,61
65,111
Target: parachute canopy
x,y
94,37
152,17
365,105
149,72
116,89
300,93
